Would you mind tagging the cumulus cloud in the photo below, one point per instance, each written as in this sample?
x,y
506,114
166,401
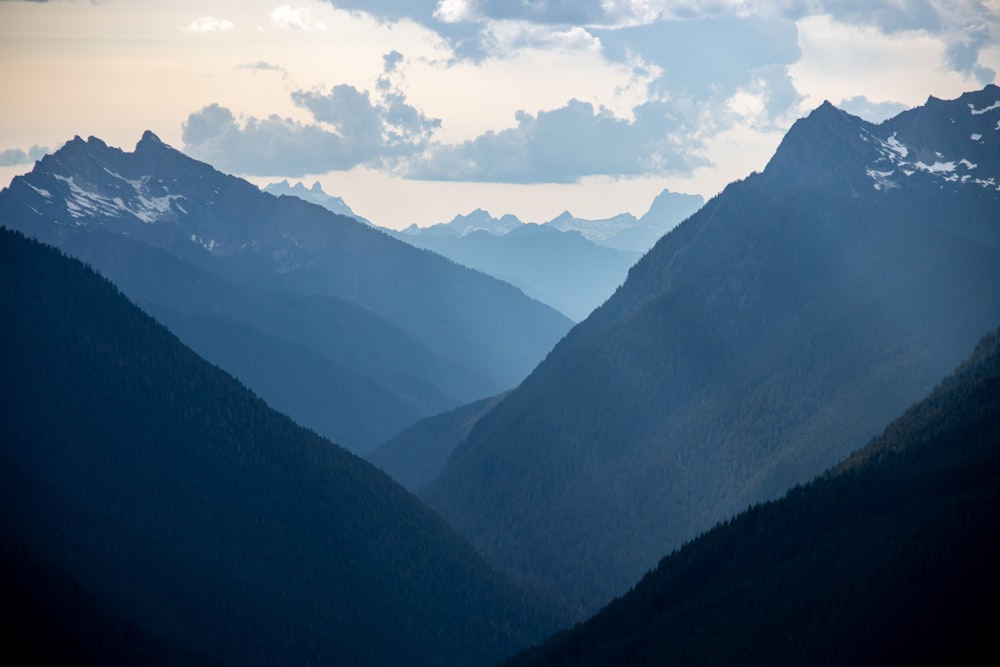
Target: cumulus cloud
x,y
13,157
558,146
295,18
264,146
702,67
509,36
455,11
565,145
209,24
351,128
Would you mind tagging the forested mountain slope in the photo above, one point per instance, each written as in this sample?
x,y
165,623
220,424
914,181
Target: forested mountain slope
x,y
187,522
417,455
228,266
757,344
888,559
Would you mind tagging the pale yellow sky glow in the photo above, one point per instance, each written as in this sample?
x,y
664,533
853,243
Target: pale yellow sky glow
x,y
114,69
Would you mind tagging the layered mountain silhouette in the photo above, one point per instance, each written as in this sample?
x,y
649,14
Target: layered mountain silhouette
x,y
625,231
760,342
154,511
562,269
888,559
351,332
313,194
572,264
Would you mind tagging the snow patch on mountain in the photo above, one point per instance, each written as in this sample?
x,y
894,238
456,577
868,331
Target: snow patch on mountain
x,y
979,112
936,168
82,202
881,178
893,143
594,230
208,244
45,193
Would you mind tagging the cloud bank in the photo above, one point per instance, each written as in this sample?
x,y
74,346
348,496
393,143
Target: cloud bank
x,y
701,69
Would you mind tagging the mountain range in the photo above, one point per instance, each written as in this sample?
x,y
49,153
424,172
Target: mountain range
x,y
569,263
351,332
561,269
313,194
574,271
760,342
156,512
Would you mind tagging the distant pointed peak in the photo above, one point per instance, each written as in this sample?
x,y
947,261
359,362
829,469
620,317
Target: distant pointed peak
x,y
317,188
149,138
828,109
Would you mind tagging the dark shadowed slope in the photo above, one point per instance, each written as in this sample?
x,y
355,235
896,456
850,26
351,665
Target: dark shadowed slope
x,y
143,483
889,559
761,341
192,244
417,455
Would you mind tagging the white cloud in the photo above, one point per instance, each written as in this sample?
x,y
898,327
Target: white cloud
x,y
13,157
454,11
842,61
564,145
209,24
503,37
298,18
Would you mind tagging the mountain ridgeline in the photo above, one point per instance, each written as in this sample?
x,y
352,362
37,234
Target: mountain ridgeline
x,y
562,269
572,264
351,332
757,344
154,511
888,559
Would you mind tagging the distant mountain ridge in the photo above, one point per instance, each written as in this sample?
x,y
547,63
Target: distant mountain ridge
x,y
621,232
574,270
400,333
758,343
561,269
574,274
460,225
315,195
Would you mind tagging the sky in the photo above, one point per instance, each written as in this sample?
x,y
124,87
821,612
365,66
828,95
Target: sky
x,y
415,111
